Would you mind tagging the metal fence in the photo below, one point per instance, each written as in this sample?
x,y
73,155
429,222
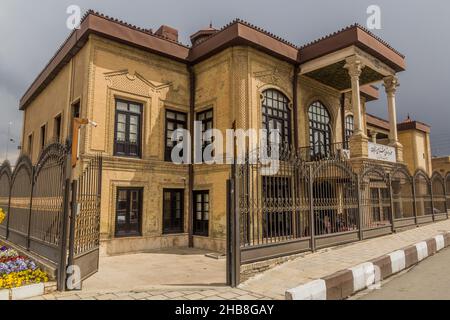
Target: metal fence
x,y
318,200
37,203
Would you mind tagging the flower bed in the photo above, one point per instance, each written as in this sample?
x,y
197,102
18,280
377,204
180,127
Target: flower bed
x,y
17,271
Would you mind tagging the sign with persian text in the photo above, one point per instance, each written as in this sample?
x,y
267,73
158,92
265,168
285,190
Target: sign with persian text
x,y
382,152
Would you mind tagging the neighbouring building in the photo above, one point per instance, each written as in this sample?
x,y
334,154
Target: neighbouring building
x,y
441,164
139,86
414,136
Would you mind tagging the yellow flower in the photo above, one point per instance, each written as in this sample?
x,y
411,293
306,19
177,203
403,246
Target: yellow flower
x,y
2,215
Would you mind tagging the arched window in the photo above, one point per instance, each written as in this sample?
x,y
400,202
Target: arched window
x,y
276,114
319,129
349,129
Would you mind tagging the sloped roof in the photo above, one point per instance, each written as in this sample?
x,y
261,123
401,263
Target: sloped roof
x,y
238,32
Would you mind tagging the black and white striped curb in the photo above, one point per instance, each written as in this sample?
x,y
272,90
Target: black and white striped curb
x,y
347,282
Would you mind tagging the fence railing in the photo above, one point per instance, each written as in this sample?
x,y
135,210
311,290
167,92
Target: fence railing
x,y
36,200
307,205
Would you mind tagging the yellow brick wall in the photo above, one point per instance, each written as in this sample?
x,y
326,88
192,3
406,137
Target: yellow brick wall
x,y
231,83
56,100
416,150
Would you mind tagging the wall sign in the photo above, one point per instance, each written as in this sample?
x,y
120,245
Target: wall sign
x,y
382,152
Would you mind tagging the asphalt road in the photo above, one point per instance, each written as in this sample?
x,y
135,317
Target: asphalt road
x,y
429,280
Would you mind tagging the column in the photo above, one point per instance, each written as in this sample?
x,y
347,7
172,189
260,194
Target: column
x,y
359,139
391,83
374,134
354,67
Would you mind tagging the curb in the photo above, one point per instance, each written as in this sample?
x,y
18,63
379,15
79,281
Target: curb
x,y
25,292
345,283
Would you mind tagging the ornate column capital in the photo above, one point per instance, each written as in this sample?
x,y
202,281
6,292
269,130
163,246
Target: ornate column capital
x,y
391,84
354,66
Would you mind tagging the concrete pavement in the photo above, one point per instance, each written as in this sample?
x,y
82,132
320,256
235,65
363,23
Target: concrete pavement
x,y
188,274
275,282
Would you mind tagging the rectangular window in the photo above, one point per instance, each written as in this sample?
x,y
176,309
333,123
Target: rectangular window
x,y
30,145
174,120
173,211
201,213
128,212
206,118
43,136
128,129
57,128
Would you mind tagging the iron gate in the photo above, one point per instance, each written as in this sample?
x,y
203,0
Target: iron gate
x,y
84,235
309,204
42,216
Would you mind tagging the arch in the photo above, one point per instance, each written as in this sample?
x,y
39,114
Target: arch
x,y
5,189
422,185
320,129
438,190
334,183
53,154
447,189
19,211
375,197
349,128
402,193
277,113
48,187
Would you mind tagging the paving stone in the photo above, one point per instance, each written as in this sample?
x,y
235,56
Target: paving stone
x,y
140,295
228,295
108,296
72,297
213,298
247,297
173,294
158,297
194,296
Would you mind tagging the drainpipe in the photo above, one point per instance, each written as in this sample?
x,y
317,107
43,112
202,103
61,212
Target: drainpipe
x,y
295,104
191,163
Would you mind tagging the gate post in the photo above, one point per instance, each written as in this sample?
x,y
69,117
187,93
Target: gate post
x,y
430,188
31,207
391,199
234,244
360,213
64,222
414,199
73,215
311,210
9,209
63,238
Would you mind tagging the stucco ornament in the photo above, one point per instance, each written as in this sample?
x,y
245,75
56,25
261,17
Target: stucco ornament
x,y
134,82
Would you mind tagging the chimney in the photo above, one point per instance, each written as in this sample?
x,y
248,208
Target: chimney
x,y
168,32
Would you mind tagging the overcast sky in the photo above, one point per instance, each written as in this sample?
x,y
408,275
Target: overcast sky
x,y
31,32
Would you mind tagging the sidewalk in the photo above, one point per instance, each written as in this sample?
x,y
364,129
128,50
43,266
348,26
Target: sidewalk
x,y
271,284
159,293
274,282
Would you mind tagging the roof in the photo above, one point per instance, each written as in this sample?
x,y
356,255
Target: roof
x,y
408,124
238,32
358,36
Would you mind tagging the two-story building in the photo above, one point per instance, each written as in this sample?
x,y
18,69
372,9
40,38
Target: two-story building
x,y
139,86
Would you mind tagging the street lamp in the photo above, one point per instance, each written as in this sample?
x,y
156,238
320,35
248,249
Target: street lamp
x,y
9,140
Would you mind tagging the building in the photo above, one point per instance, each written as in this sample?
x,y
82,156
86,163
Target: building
x,y
441,164
139,86
414,136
